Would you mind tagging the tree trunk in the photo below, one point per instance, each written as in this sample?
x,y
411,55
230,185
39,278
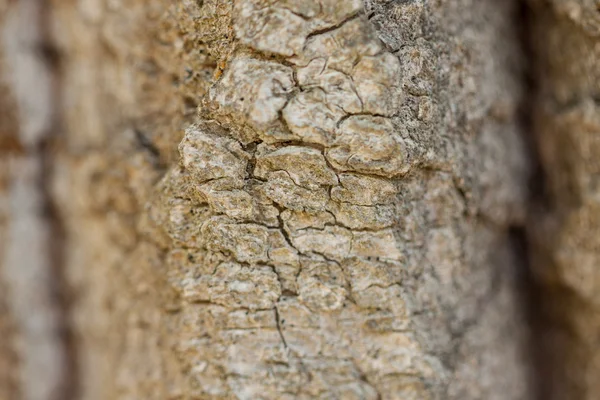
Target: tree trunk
x,y
564,230
279,199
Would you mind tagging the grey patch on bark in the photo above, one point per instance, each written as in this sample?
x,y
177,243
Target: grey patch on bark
x,y
32,263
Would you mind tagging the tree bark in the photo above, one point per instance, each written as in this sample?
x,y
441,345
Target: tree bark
x,y
564,229
33,323
281,199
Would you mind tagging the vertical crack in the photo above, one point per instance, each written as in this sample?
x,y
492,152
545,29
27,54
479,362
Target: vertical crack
x,y
528,290
69,389
278,321
529,297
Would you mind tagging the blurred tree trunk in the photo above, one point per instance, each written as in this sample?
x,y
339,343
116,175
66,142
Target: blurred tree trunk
x,y
267,199
564,229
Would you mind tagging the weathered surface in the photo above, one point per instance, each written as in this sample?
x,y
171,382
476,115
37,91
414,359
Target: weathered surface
x,y
332,224
9,366
8,134
33,351
565,229
332,197
133,73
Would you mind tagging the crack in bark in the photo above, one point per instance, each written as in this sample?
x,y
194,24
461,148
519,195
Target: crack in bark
x,y
331,28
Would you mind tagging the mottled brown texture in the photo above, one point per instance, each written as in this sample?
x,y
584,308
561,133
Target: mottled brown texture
x,y
133,74
565,227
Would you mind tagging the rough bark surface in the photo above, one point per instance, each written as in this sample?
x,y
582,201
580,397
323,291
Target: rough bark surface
x,y
564,229
291,199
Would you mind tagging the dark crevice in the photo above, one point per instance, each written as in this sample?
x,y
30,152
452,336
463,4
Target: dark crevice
x,y
60,290
333,27
536,185
279,322
146,144
528,290
47,152
529,297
